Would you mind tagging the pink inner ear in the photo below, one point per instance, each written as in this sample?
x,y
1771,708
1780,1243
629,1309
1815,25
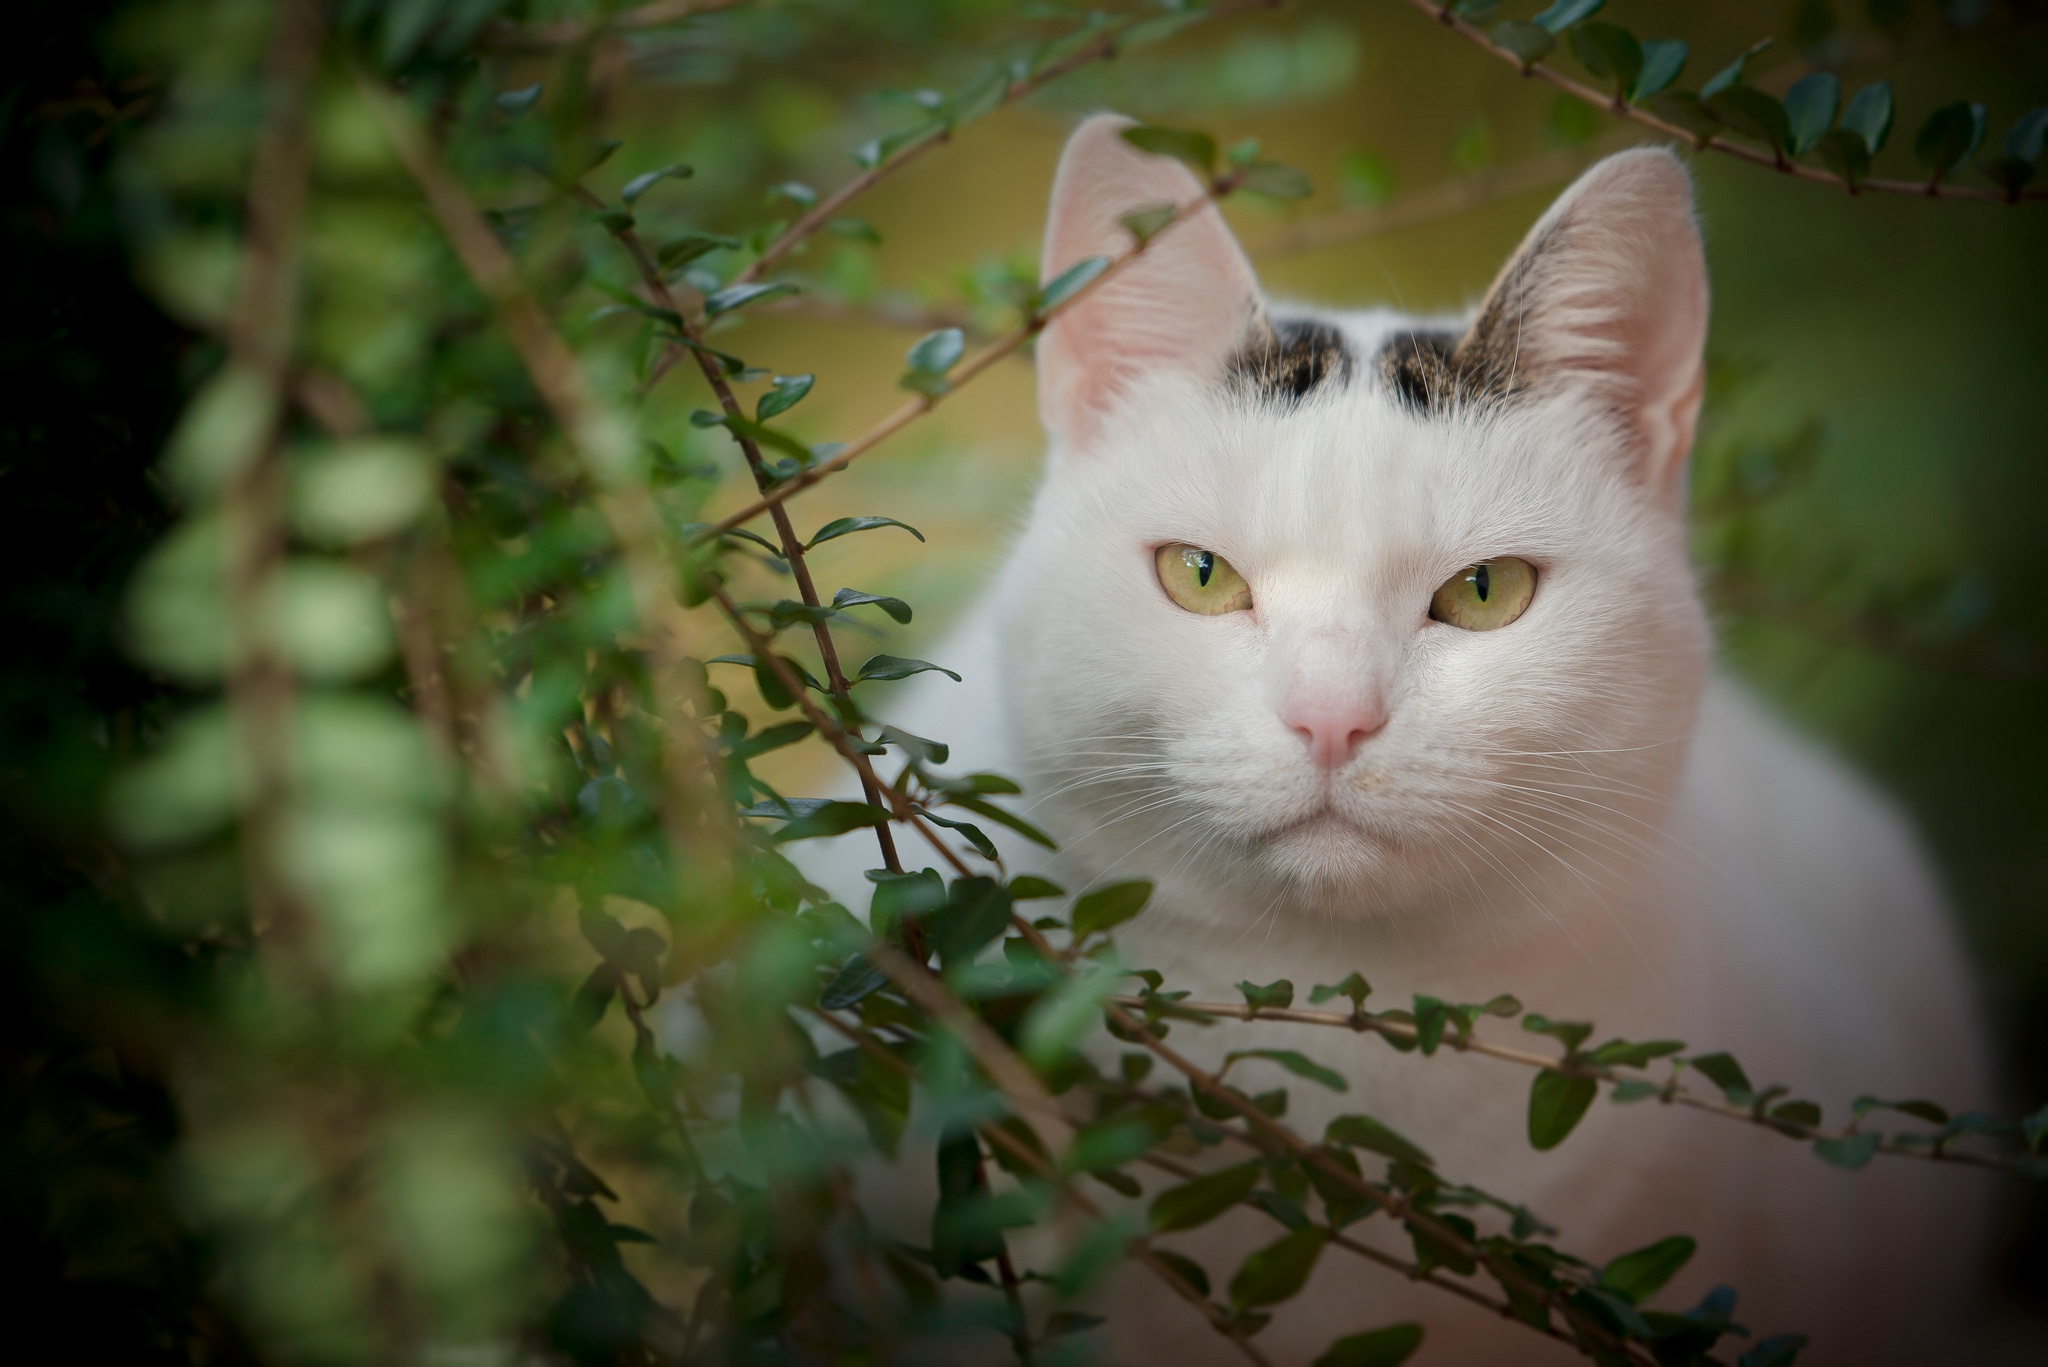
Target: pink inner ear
x,y
1184,305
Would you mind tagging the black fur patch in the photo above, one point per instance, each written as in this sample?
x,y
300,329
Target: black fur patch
x,y
1434,371
1289,360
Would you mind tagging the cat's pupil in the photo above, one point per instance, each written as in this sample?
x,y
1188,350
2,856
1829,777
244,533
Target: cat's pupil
x,y
1483,582
1205,565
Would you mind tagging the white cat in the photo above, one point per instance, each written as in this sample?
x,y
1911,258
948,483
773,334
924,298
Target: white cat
x,y
1374,642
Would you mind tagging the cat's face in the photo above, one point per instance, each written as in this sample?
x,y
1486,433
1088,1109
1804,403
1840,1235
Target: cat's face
x,y
1248,644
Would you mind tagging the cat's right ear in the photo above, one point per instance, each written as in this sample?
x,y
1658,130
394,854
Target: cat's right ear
x,y
1186,305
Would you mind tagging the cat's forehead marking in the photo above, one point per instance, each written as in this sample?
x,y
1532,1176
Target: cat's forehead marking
x,y
1432,371
1287,360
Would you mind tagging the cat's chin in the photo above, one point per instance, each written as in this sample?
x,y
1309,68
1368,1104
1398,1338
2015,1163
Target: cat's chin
x,y
1326,851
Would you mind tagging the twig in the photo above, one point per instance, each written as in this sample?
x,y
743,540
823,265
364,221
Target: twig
x,y
1671,1092
1773,159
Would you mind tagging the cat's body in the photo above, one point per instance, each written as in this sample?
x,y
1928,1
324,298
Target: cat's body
x,y
1331,777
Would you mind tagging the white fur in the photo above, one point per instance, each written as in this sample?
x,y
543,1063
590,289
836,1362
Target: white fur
x,y
1569,809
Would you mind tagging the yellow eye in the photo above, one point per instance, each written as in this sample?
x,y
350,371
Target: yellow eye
x,y
1485,596
1202,581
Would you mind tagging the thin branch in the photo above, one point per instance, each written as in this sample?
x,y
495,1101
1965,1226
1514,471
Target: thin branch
x,y
1773,159
1670,1093
506,35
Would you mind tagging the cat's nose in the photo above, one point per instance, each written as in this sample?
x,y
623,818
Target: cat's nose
x,y
1332,734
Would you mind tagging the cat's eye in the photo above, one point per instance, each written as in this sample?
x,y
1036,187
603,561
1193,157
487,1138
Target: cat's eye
x,y
1486,596
1201,581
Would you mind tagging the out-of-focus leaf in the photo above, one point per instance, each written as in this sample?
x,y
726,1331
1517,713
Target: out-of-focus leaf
x,y
1663,60
937,352
1199,1201
1529,42
1389,1347
1779,1350
641,184
784,393
739,296
1557,1101
1566,14
1109,907
1637,1276
1869,115
1354,987
1272,178
1296,1063
855,980
1277,995
1810,107
1068,283
1849,1151
1950,137
1278,1271
1363,1132
1610,52
1196,149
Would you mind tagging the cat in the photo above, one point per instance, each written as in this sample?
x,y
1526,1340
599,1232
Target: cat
x,y
1373,641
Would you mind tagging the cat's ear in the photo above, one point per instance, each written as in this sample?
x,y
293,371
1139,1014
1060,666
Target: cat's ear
x,y
1185,305
1609,292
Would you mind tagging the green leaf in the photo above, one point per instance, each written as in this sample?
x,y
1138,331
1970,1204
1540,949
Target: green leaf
x,y
845,526
1354,987
1109,907
976,837
1730,76
1430,1017
1067,284
832,818
1869,115
1610,52
1663,60
1003,818
1845,153
1557,1101
2035,1129
1064,1014
1950,137
678,252
1571,1034
899,896
1433,1249
1688,111
1363,1132
854,598
853,229
1389,1347
1849,1151
977,910
795,191
1779,1350
1527,41
1272,178
1196,149
2024,139
1919,1110
1027,887
856,979
517,101
641,184
1749,110
937,352
888,667
784,393
1278,1271
739,296
1724,1072
1199,1201
1564,14
917,747
1797,1113
1621,1053
1277,995
1296,1063
1146,224
1637,1276
1187,1269
1810,107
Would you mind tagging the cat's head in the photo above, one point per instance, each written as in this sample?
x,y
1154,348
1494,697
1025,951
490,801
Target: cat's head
x,y
1375,612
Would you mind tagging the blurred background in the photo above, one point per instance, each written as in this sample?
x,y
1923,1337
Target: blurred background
x,y
1870,494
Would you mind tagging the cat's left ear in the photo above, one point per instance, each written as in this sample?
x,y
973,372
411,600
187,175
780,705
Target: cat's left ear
x,y
1609,293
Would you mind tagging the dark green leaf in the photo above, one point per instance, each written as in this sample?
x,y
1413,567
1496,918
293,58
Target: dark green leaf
x,y
1724,1072
937,352
784,393
1850,1151
1688,111
1869,115
1621,1053
1067,284
1919,1110
1663,60
1003,818
795,191
833,818
1950,137
2024,139
1637,1276
1027,887
917,747
1430,1016
2035,1129
1272,178
1527,41
1797,1113
1203,1199
1298,1064
1356,988
976,837
1363,1132
641,184
887,667
771,738
854,598
1564,14
1730,76
1196,149
1278,1271
902,895
1277,995
1187,1269
844,526
1810,107
856,979
1476,11
1435,1247
1571,1034
1845,153
1749,110
1609,51
853,229
977,910
1557,1101
1109,907
678,252
1389,1347
739,296
1779,1350
1272,1202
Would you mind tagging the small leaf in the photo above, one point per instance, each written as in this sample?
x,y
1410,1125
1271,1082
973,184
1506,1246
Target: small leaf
x,y
1810,107
1571,1034
1389,1347
1845,153
1663,60
678,252
1272,178
1067,284
795,191
1196,149
2024,139
1688,111
641,184
1950,137
1724,1072
1296,1063
1564,14
1354,987
517,101
937,352
1187,1269
784,393
1849,1151
976,837
1278,1271
844,526
739,296
1779,1350
1730,76
1797,1113
888,667
856,979
1869,115
976,912
1430,1017
1621,1053
1363,1132
1277,995
854,598
1637,1276
1610,52
853,229
1197,1202
1919,1110
1146,224
1751,111
1109,907
1527,41
833,818
1557,1101
1026,887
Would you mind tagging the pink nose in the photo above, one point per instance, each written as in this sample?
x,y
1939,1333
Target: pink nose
x,y
1332,734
